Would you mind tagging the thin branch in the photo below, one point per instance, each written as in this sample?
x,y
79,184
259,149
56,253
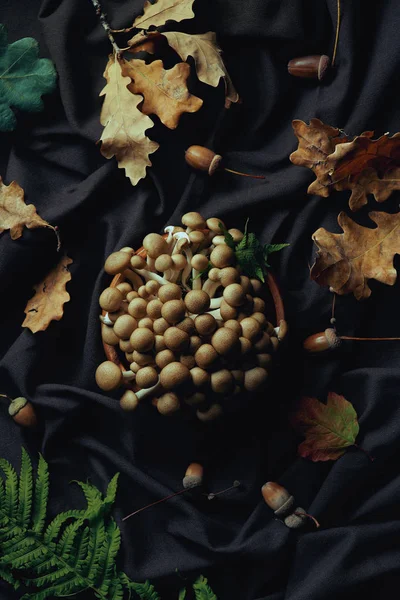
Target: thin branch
x,y
338,19
103,20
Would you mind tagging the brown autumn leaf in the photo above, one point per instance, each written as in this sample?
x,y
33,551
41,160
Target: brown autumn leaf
x,y
15,214
207,57
160,12
124,124
362,165
165,92
346,261
50,295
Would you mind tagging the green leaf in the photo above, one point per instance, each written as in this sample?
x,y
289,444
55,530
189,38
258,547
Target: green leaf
x,y
328,428
25,490
228,237
182,594
41,496
24,78
10,501
270,248
145,591
204,271
202,590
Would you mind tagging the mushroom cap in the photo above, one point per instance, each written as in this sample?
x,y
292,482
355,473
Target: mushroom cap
x,y
163,263
152,287
108,336
142,339
187,325
124,287
169,291
229,275
238,376
194,220
222,256
153,308
227,312
236,234
205,356
108,376
168,404
159,343
234,325
251,328
127,249
234,295
132,295
146,377
160,326
187,360
129,401
138,262
125,345
124,326
175,339
164,358
264,343
142,359
146,322
155,244
214,274
245,345
194,343
113,316
258,287
110,299
174,375
180,262
222,381
173,311
258,304
199,262
205,324
137,308
261,318
197,237
213,224
197,301
245,283
255,378
195,399
264,360
200,377
211,414
117,262
142,292
225,340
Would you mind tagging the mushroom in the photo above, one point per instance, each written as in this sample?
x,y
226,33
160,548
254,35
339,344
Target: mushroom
x,y
152,287
164,264
125,345
222,381
138,262
173,311
124,326
234,325
200,377
198,263
234,295
227,312
218,239
155,245
171,291
179,263
245,346
205,324
225,341
164,358
142,394
174,375
142,359
282,330
263,360
205,356
238,376
175,339
117,262
263,343
127,249
215,225
108,376
128,375
258,304
159,343
137,308
261,318
146,377
146,322
153,309
170,230
160,326
149,275
194,344
187,325
218,277
183,243
275,343
255,378
129,401
236,234
133,277
142,292
110,299
187,360
132,295
106,320
222,256
211,414
168,404
142,339
124,288
245,283
193,220
108,336
197,301
251,328
196,239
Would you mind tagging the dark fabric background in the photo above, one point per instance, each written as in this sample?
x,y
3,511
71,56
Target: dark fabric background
x,y
235,541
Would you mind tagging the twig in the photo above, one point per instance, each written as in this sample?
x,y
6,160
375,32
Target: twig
x,y
337,33
103,20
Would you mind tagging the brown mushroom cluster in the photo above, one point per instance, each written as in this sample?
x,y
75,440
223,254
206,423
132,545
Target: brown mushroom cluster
x,y
184,327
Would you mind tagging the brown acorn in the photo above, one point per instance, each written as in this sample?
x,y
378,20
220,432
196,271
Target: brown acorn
x,y
314,66
204,159
193,476
22,411
322,342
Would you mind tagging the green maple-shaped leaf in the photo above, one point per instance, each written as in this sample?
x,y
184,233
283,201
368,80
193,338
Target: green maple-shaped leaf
x,y
24,78
328,428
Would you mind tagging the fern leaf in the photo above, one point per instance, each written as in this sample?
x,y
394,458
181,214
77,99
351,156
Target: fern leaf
x,y
16,544
25,492
111,492
53,530
66,544
41,496
81,550
93,499
66,587
2,493
10,532
202,590
96,542
107,567
44,565
9,577
182,594
126,583
10,504
145,591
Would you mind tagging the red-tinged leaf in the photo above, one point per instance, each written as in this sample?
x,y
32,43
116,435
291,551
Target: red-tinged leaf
x,y
328,428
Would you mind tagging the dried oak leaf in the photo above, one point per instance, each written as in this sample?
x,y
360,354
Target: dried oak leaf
x,y
346,261
165,91
328,428
160,12
50,296
362,165
207,57
15,214
124,124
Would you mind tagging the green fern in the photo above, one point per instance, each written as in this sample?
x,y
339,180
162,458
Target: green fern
x,y
77,551
145,591
202,590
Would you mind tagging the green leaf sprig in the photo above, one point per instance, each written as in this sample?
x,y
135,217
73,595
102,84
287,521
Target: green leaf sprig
x,y
251,255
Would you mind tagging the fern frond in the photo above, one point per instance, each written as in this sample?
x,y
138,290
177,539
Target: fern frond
x,y
10,502
10,532
145,591
111,492
96,541
110,550
9,577
65,546
68,586
182,594
93,498
53,530
81,549
14,545
202,590
25,492
41,496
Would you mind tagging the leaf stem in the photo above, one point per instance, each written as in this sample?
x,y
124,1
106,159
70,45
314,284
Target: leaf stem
x,y
244,174
304,514
103,20
338,19
371,458
5,396
369,339
156,502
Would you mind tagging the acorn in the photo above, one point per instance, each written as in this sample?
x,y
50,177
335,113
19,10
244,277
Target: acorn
x,y
22,411
204,159
283,505
322,342
314,66
193,476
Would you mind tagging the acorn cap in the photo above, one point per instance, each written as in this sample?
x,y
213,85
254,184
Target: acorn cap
x,y
193,476
16,405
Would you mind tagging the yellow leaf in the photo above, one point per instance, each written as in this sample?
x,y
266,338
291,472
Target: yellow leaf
x,y
165,91
160,12
124,125
50,296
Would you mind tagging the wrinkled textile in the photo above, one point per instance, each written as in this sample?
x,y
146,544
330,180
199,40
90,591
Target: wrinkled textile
x,y
234,540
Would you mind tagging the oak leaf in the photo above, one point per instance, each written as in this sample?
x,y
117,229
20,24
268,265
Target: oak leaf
x,y
50,296
165,92
346,261
207,57
362,165
124,124
15,214
160,12
328,428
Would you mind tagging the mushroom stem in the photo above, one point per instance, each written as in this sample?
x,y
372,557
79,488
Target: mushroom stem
x,y
186,271
170,229
150,263
216,302
141,394
214,313
179,237
211,287
128,375
133,278
147,275
106,320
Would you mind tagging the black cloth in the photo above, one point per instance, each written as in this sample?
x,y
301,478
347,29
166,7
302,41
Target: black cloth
x,y
234,540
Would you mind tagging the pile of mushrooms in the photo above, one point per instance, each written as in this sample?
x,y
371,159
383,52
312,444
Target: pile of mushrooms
x,y
190,325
